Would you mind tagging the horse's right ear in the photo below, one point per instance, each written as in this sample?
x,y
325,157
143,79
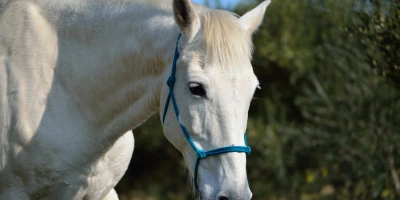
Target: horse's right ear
x,y
186,18
253,19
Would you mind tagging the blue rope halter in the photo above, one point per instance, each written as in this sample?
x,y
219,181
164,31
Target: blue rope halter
x,y
200,154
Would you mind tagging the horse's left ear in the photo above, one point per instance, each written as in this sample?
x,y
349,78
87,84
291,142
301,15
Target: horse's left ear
x,y
253,19
186,17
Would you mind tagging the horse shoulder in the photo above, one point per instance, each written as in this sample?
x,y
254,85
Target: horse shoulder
x,y
45,146
28,55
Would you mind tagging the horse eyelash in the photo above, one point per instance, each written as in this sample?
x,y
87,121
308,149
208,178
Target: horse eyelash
x,y
256,98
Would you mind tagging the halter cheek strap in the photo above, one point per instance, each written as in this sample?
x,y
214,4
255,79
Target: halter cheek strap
x,y
200,154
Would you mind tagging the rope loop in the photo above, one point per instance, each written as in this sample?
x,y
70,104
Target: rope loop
x,y
249,151
171,81
201,154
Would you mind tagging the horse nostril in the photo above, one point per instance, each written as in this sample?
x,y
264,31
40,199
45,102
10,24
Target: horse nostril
x,y
223,198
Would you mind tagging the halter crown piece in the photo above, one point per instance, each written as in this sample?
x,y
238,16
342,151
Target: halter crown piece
x,y
200,154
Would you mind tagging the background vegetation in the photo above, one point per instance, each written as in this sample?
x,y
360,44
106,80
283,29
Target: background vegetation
x,y
326,124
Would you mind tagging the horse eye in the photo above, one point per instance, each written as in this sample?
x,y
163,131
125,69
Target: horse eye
x,y
197,90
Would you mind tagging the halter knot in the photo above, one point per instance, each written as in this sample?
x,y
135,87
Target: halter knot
x,y
201,154
171,81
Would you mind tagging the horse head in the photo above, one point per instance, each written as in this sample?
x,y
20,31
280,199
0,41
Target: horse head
x,y
212,84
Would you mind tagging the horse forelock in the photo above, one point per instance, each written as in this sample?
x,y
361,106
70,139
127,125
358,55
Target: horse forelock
x,y
226,41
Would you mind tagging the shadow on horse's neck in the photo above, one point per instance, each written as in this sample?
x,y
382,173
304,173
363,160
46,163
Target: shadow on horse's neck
x,y
115,66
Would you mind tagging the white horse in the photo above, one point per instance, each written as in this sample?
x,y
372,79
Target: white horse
x,y
76,75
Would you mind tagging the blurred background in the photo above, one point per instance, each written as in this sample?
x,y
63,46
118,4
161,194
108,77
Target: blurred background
x,y
326,123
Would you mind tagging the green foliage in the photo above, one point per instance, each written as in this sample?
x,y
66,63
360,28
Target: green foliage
x,y
328,119
380,31
325,124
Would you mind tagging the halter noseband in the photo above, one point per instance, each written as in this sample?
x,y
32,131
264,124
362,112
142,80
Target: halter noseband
x,y
200,154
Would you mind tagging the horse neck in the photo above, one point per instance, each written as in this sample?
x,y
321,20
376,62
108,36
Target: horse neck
x,y
115,62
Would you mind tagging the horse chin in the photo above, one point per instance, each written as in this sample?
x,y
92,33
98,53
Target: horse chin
x,y
223,196
225,191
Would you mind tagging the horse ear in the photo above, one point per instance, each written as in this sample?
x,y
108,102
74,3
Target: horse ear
x,y
253,19
186,17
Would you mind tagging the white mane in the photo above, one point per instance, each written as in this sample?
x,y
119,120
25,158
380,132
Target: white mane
x,y
227,42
